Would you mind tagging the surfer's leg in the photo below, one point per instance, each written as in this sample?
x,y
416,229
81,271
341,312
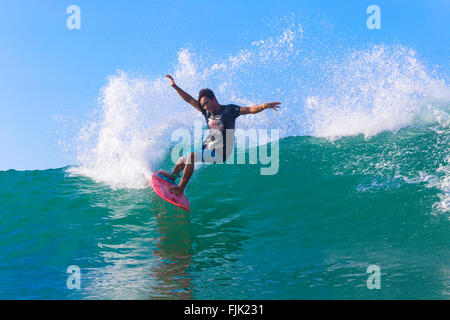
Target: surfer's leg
x,y
187,174
188,170
179,166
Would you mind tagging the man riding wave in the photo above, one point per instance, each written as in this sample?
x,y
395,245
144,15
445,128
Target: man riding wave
x,y
221,121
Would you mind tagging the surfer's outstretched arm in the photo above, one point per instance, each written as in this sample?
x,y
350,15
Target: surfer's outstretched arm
x,y
259,108
186,97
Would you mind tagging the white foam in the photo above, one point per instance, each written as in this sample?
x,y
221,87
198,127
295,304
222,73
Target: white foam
x,y
376,90
444,186
131,136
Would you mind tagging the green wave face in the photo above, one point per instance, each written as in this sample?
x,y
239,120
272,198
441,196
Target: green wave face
x,y
311,231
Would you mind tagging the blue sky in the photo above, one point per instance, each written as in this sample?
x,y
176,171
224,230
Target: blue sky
x,y
48,70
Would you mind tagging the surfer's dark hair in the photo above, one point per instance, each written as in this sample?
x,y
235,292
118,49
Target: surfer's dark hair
x,y
206,93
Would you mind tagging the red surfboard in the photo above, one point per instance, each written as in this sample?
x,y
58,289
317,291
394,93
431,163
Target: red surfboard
x,y
160,184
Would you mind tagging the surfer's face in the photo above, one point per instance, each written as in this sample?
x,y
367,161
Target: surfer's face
x,y
209,104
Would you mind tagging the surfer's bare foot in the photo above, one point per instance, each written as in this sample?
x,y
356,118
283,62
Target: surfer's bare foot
x,y
176,190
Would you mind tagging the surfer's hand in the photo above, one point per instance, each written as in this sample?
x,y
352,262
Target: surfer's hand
x,y
172,82
272,105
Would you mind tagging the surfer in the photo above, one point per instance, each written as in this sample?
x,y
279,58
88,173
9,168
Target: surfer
x,y
220,120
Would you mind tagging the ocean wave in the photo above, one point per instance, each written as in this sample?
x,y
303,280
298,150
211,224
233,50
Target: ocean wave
x,y
370,91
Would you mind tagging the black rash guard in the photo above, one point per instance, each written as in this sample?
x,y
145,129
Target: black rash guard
x,y
218,123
